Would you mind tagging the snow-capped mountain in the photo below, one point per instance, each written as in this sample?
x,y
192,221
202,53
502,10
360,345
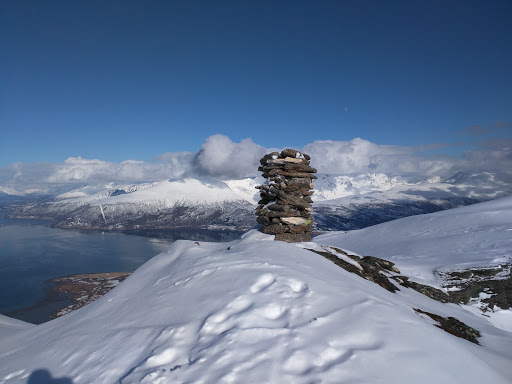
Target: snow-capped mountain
x,y
341,202
331,187
260,311
188,203
362,201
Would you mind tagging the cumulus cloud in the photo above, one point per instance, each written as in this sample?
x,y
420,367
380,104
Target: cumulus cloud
x,y
220,157
176,164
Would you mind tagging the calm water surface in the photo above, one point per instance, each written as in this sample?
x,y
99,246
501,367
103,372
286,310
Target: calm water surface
x,y
31,253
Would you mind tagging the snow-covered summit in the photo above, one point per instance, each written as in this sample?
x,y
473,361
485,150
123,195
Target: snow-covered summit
x,y
259,311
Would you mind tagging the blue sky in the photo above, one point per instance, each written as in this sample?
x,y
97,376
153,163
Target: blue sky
x,y
117,80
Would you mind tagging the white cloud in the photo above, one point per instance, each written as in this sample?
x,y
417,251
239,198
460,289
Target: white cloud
x,y
492,154
220,157
176,164
361,156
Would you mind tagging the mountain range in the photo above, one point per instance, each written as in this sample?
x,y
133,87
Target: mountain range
x,y
341,202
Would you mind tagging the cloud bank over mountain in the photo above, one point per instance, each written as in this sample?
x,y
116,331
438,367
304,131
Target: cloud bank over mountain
x,y
362,156
220,157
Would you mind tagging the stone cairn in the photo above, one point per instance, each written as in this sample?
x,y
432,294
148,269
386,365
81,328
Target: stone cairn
x,y
285,206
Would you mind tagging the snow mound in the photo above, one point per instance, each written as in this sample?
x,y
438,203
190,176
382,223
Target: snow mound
x,y
254,311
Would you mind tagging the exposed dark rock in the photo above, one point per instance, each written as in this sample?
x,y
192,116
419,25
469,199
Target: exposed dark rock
x,y
299,167
294,237
274,229
289,153
453,326
426,290
371,268
268,156
495,282
293,174
381,263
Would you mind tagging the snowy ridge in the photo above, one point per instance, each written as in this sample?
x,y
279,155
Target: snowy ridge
x,y
328,186
476,235
339,190
171,191
259,311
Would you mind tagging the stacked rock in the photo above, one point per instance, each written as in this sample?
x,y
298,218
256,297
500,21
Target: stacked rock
x,y
285,206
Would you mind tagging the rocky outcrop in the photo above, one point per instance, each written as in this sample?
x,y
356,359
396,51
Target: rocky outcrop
x,y
284,208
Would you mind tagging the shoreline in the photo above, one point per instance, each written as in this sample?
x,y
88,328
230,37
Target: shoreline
x,y
67,294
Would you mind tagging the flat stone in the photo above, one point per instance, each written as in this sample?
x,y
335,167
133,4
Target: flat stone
x,y
281,214
299,167
276,161
300,228
301,182
296,201
279,207
295,174
293,237
288,152
292,160
262,220
268,157
274,229
271,174
291,188
276,191
295,220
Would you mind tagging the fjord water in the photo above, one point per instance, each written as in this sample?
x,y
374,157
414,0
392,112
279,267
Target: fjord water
x,y
32,253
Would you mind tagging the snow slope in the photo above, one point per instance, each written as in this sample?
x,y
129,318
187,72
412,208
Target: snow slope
x,y
255,311
424,247
472,236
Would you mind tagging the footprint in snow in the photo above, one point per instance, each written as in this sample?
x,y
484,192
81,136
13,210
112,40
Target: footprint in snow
x,y
263,282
